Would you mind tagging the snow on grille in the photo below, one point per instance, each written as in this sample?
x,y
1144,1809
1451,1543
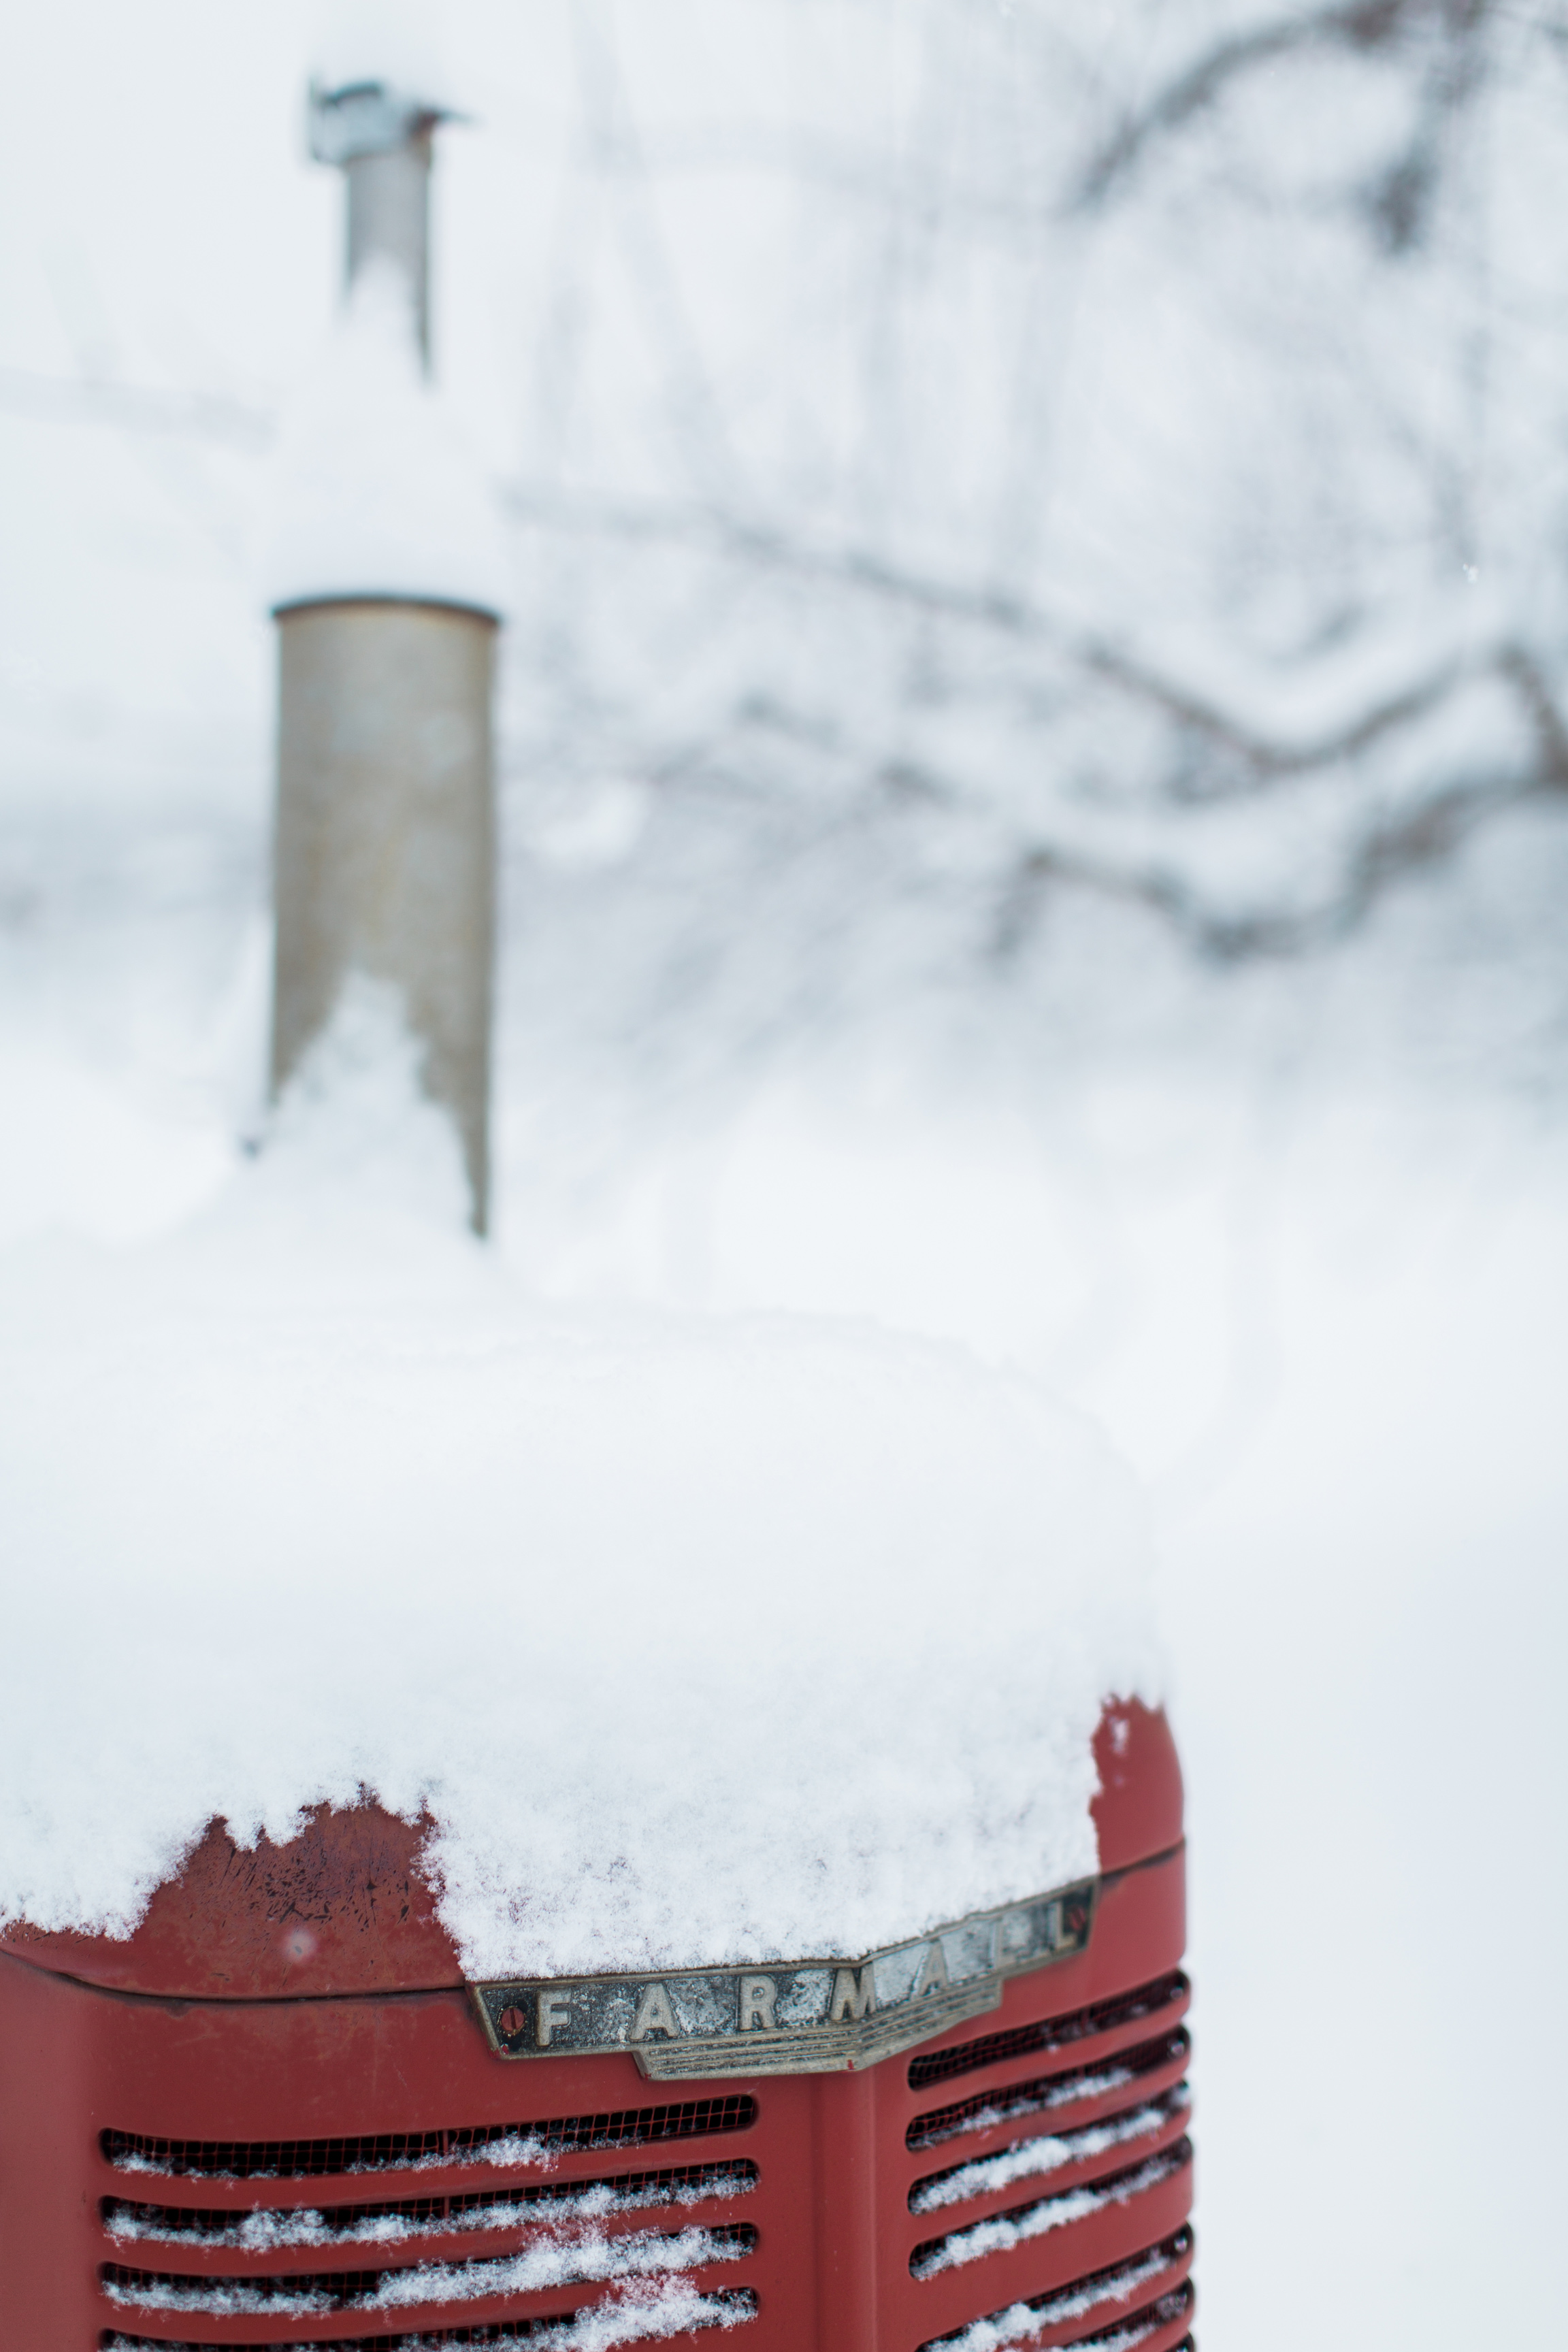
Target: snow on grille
x,y
406,2221
1171,2311
1046,2153
1155,2319
1091,2297
1168,1993
1002,2232
551,2258
495,2144
1047,2094
675,2308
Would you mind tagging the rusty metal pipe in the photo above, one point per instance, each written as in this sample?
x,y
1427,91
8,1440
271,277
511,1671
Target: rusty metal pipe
x,y
384,844
389,220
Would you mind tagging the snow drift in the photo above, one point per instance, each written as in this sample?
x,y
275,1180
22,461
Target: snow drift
x,y
700,1640
375,492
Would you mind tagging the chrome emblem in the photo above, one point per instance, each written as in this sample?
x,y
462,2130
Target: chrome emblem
x,y
799,2017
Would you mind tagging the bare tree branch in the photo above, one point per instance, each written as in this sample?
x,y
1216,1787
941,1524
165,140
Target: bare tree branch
x,y
1515,663
1387,854
141,408
1263,761
1364,25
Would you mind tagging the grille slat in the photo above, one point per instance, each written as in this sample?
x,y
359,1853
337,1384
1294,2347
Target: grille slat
x,y
325,2294
728,2307
406,2151
1085,2301
1045,2094
1017,2224
265,2230
1044,2152
1049,2034
1172,2310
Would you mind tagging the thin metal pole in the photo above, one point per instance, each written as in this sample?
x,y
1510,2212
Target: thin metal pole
x,y
389,220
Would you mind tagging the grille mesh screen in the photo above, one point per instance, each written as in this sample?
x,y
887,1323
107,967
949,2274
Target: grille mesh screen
x,y
683,2182
343,2289
1086,2299
300,2159
934,2255
734,2303
1045,2091
1124,2334
1049,2033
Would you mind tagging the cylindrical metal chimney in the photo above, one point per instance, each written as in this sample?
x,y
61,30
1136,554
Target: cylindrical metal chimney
x,y
383,855
385,858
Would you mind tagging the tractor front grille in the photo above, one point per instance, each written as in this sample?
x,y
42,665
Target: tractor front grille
x,y
1042,2209
457,2261
1088,2158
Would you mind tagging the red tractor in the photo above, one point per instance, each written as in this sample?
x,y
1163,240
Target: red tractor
x,y
278,2116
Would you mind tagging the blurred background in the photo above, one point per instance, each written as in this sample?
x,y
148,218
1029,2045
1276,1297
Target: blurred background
x,y
1034,747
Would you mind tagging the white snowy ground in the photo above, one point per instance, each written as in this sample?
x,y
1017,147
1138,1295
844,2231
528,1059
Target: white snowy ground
x,y
1330,1328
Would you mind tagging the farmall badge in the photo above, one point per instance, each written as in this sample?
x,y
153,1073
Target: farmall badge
x,y
805,2017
